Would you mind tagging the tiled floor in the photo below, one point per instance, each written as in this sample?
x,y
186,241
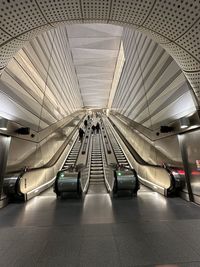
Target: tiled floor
x,y
149,230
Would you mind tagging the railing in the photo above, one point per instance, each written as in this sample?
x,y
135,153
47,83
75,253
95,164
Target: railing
x,y
85,172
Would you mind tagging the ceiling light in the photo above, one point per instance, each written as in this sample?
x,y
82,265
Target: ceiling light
x,y
184,122
3,124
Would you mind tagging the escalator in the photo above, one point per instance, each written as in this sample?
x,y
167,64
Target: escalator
x,y
67,180
73,155
164,179
119,154
125,177
25,183
96,180
95,176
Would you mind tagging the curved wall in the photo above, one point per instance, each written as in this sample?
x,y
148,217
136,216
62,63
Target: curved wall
x,y
39,86
152,90
39,89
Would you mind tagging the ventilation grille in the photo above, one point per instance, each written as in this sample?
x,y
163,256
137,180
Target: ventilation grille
x,y
183,58
61,10
153,35
173,18
31,34
20,16
8,51
4,36
194,79
96,10
131,12
191,40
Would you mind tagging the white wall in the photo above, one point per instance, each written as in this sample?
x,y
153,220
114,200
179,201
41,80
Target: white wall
x,y
152,88
39,86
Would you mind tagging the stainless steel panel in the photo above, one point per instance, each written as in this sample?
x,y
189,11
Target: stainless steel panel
x,y
4,148
126,183
28,153
33,182
190,143
68,183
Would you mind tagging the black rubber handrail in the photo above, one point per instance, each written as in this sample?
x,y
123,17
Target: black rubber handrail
x,y
103,131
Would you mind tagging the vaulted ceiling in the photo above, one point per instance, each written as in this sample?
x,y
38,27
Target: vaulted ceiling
x,y
173,24
95,48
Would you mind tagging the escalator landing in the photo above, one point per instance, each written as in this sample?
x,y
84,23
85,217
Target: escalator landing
x,y
97,189
48,193
98,230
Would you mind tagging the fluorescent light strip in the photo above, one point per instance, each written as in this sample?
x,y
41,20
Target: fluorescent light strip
x,y
39,187
12,178
184,126
86,185
108,184
154,185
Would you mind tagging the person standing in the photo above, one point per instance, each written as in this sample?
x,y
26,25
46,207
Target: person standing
x,y
93,129
81,133
97,127
85,123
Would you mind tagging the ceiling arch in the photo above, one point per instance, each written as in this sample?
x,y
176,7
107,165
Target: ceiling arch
x,y
175,25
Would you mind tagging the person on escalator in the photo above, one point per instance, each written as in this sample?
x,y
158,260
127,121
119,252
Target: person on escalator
x,y
97,127
81,133
93,129
85,123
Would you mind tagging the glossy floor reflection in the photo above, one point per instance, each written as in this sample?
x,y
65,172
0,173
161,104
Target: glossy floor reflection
x,y
149,230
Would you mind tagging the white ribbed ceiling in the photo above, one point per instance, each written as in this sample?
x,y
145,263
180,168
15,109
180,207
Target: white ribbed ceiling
x,y
95,49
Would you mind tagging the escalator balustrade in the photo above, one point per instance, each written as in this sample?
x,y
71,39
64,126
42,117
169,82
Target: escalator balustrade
x,y
126,181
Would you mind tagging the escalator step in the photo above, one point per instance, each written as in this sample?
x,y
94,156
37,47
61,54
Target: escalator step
x,y
95,172
96,168
96,176
96,183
